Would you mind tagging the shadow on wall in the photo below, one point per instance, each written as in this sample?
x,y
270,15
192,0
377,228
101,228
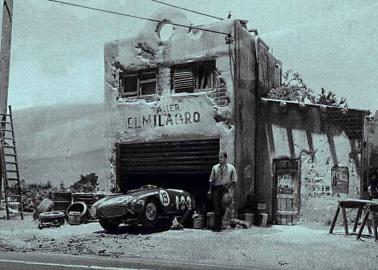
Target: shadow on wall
x,y
318,139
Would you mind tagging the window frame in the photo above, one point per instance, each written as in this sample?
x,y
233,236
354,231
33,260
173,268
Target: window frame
x,y
138,91
194,67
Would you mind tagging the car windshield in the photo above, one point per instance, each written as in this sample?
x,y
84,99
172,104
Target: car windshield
x,y
142,188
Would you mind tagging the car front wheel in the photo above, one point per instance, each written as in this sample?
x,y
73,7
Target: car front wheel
x,y
150,213
109,225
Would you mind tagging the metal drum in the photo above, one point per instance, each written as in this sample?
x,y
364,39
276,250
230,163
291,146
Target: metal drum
x,y
74,218
77,207
198,222
210,219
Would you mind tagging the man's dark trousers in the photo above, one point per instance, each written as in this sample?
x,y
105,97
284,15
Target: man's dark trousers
x,y
218,192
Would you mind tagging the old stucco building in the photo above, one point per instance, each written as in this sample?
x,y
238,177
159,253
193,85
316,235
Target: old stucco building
x,y
173,103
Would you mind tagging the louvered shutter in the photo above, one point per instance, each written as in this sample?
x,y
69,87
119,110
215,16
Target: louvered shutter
x,y
183,80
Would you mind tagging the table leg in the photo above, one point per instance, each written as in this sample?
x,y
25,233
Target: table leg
x,y
345,221
334,219
365,217
368,223
374,226
359,212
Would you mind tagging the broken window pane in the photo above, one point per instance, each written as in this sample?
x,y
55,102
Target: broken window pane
x,y
148,88
130,85
148,75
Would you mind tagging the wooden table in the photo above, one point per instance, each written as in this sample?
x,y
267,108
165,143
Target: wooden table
x,y
361,205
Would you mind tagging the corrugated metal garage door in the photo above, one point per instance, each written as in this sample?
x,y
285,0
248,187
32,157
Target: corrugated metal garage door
x,y
161,159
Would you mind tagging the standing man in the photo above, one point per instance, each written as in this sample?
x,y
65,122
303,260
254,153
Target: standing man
x,y
222,180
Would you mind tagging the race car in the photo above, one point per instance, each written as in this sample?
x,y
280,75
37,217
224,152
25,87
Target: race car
x,y
146,206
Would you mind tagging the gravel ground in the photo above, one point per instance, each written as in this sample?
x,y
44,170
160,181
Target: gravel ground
x,y
287,247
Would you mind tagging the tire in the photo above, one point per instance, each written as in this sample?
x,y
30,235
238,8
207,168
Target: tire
x,y
150,213
55,216
109,225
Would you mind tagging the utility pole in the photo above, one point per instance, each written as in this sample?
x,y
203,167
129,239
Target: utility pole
x,y
5,53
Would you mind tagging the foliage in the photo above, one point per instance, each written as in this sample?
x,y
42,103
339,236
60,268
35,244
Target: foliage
x,y
329,98
86,183
35,186
294,88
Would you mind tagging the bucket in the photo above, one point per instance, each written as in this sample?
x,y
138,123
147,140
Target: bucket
x,y
249,217
198,222
74,218
78,207
210,218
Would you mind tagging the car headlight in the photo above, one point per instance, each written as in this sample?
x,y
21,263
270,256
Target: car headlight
x,y
137,205
92,211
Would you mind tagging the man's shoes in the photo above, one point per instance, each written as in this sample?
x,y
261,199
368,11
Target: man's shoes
x,y
217,229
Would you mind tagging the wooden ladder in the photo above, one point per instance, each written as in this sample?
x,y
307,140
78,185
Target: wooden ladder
x,y
9,165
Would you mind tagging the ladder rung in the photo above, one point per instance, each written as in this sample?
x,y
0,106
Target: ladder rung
x,y
16,195
8,130
7,138
12,171
10,146
13,179
10,155
13,188
6,122
5,114
11,162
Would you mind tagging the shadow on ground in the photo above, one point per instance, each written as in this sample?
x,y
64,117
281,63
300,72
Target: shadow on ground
x,y
129,229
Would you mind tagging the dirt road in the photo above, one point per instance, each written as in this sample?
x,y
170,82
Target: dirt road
x,y
285,247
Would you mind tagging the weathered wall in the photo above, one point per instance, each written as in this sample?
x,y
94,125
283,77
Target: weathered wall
x,y
373,141
256,72
311,134
228,111
168,116
245,115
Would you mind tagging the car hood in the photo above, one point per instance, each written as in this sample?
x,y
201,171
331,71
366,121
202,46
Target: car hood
x,y
123,199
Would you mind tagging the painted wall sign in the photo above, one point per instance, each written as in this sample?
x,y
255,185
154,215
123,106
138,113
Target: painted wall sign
x,y
340,179
167,115
285,183
171,115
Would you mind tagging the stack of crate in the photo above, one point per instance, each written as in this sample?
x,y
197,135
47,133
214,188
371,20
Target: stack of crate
x,y
61,200
88,198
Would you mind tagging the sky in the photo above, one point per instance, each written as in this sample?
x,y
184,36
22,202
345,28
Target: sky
x,y
57,50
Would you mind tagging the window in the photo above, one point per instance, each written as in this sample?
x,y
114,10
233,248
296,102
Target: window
x,y
194,76
136,84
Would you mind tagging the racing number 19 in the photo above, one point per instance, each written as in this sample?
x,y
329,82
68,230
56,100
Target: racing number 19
x,y
165,198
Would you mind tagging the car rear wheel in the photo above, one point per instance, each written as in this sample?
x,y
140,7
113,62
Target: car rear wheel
x,y
110,225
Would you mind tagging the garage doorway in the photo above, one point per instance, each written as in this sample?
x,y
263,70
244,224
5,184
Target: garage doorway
x,y
184,164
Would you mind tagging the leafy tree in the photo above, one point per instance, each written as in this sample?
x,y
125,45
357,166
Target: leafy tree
x,y
86,183
294,88
329,98
62,186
